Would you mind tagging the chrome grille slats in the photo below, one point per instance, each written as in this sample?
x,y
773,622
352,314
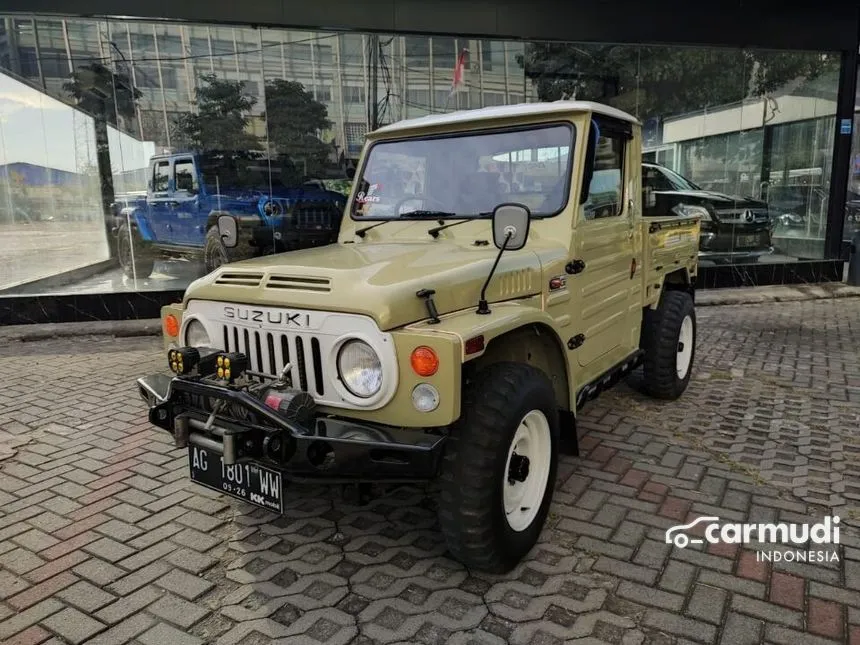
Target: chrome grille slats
x,y
272,336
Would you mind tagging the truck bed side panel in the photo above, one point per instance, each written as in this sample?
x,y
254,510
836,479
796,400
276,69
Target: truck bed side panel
x,y
671,243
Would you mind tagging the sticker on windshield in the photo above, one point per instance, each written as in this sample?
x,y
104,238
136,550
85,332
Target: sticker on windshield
x,y
371,196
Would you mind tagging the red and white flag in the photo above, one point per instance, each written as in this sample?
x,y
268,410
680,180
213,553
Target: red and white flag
x,y
459,68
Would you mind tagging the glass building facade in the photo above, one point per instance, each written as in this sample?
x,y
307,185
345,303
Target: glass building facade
x,y
119,139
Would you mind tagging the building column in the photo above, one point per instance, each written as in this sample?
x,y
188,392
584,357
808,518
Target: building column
x,y
841,155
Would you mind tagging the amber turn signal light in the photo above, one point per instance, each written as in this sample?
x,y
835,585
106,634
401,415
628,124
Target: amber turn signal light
x,y
171,325
424,361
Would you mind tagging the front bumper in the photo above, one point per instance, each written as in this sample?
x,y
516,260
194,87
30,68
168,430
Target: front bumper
x,y
330,449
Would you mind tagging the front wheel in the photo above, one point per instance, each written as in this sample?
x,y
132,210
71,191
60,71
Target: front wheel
x,y
669,342
499,469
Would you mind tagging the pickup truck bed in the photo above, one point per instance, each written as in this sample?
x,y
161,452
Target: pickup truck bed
x,y
671,243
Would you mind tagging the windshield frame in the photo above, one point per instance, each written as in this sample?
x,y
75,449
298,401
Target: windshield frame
x,y
489,130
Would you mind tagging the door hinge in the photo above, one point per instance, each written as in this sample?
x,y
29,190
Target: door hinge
x,y
576,341
575,266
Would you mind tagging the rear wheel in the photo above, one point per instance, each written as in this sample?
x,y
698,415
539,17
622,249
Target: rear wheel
x,y
136,260
669,342
215,254
499,469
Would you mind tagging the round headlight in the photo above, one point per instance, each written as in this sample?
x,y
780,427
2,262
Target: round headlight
x,y
196,335
360,368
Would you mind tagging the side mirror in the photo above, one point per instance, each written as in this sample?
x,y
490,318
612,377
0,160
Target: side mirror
x,y
350,173
650,198
228,231
511,226
590,153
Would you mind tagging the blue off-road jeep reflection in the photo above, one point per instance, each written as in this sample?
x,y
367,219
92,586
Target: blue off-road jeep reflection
x,y
178,214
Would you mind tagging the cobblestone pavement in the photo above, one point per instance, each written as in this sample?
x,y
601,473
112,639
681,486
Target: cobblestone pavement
x,y
103,541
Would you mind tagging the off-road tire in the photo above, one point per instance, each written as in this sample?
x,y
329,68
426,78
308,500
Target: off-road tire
x,y
471,508
660,342
143,263
214,250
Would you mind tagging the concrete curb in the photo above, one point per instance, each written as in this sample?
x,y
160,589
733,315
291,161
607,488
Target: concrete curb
x,y
117,328
706,298
782,293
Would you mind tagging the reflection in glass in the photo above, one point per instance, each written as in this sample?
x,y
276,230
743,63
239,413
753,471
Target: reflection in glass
x,y
166,123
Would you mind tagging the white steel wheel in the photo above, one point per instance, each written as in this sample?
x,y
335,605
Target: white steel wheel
x,y
685,347
527,470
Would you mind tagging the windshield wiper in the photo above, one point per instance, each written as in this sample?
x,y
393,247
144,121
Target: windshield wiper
x,y
361,232
436,229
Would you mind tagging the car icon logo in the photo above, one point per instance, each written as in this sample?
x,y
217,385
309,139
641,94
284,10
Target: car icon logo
x,y
675,535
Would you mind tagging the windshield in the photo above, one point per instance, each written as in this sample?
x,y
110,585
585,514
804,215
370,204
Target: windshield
x,y
464,176
249,171
680,183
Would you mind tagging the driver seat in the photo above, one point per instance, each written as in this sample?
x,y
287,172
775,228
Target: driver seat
x,y
480,192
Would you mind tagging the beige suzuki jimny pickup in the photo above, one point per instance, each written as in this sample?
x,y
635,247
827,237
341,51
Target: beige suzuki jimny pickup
x,y
493,272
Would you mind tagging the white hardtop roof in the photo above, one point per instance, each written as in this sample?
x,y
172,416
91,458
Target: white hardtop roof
x,y
504,111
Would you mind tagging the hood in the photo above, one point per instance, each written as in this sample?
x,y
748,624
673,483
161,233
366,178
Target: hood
x,y
719,200
376,279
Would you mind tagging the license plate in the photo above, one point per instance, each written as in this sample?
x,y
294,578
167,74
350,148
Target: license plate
x,y
747,240
251,483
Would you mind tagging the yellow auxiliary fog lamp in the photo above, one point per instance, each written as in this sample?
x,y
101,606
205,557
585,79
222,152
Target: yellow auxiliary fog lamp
x,y
183,360
229,366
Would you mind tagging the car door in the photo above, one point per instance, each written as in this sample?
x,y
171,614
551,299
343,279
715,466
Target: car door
x,y
186,203
604,253
158,202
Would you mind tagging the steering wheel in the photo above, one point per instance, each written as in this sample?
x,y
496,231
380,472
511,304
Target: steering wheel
x,y
425,201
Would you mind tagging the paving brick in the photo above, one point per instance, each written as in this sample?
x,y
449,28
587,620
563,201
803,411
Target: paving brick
x,y
10,584
619,551
119,531
825,618
55,566
127,513
707,603
749,567
159,519
767,611
85,596
784,636
98,572
48,522
199,521
650,596
787,590
162,633
108,549
20,561
191,561
175,610
67,546
626,570
73,625
652,554
741,630
680,626
131,604
142,558
184,584
80,526
22,620
39,592
195,540
30,636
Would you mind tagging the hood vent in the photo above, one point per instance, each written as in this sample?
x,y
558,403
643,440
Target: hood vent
x,y
240,279
515,283
299,283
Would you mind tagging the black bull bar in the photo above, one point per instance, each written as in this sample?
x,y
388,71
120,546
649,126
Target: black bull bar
x,y
333,450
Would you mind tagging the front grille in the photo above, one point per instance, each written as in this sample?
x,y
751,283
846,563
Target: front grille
x,y
316,215
299,283
240,279
268,352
